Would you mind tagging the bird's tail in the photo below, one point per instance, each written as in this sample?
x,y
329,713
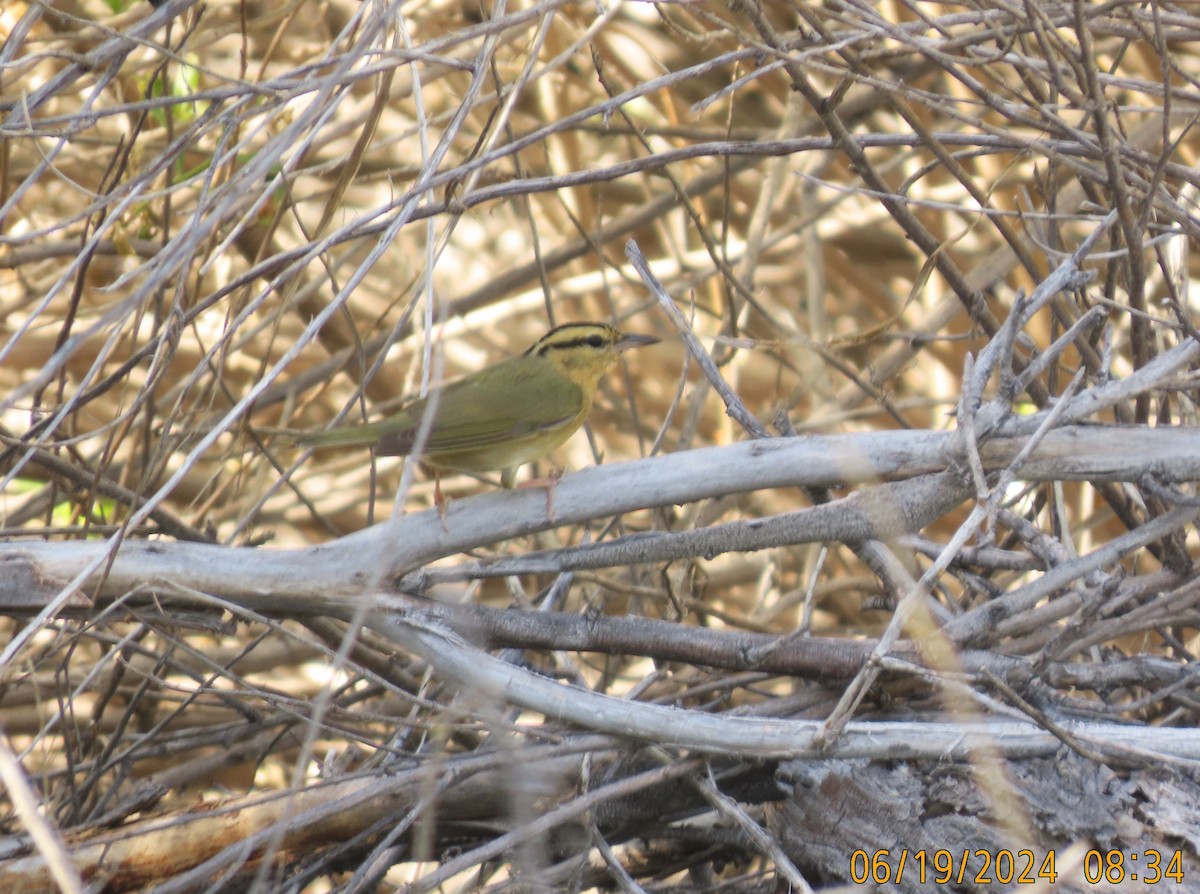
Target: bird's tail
x,y
343,436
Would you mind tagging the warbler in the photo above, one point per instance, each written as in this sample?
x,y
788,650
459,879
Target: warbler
x,y
503,416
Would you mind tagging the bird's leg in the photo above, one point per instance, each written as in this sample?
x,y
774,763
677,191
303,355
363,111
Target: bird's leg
x,y
439,500
550,482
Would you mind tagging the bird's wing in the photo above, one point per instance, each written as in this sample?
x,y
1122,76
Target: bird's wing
x,y
513,401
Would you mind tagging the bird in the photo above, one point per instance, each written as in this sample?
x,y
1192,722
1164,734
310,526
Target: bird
x,y
503,416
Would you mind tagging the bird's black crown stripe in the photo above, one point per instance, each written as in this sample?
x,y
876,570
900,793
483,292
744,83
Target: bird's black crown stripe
x,y
573,343
544,344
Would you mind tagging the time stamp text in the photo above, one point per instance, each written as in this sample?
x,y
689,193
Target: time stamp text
x,y
1005,867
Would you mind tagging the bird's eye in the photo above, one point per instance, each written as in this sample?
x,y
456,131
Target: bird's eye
x,y
595,341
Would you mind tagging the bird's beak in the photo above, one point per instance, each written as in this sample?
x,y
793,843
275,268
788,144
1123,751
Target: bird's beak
x,y
633,340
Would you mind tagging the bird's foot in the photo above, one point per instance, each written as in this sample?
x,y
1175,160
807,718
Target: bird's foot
x,y
440,502
549,482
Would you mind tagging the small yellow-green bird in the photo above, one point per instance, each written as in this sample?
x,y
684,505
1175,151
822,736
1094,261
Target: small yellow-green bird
x,y
505,415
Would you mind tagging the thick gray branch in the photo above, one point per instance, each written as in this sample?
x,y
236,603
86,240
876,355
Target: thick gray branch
x,y
32,573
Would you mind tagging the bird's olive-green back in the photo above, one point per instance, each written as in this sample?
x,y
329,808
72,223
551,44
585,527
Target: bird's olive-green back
x,y
513,400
